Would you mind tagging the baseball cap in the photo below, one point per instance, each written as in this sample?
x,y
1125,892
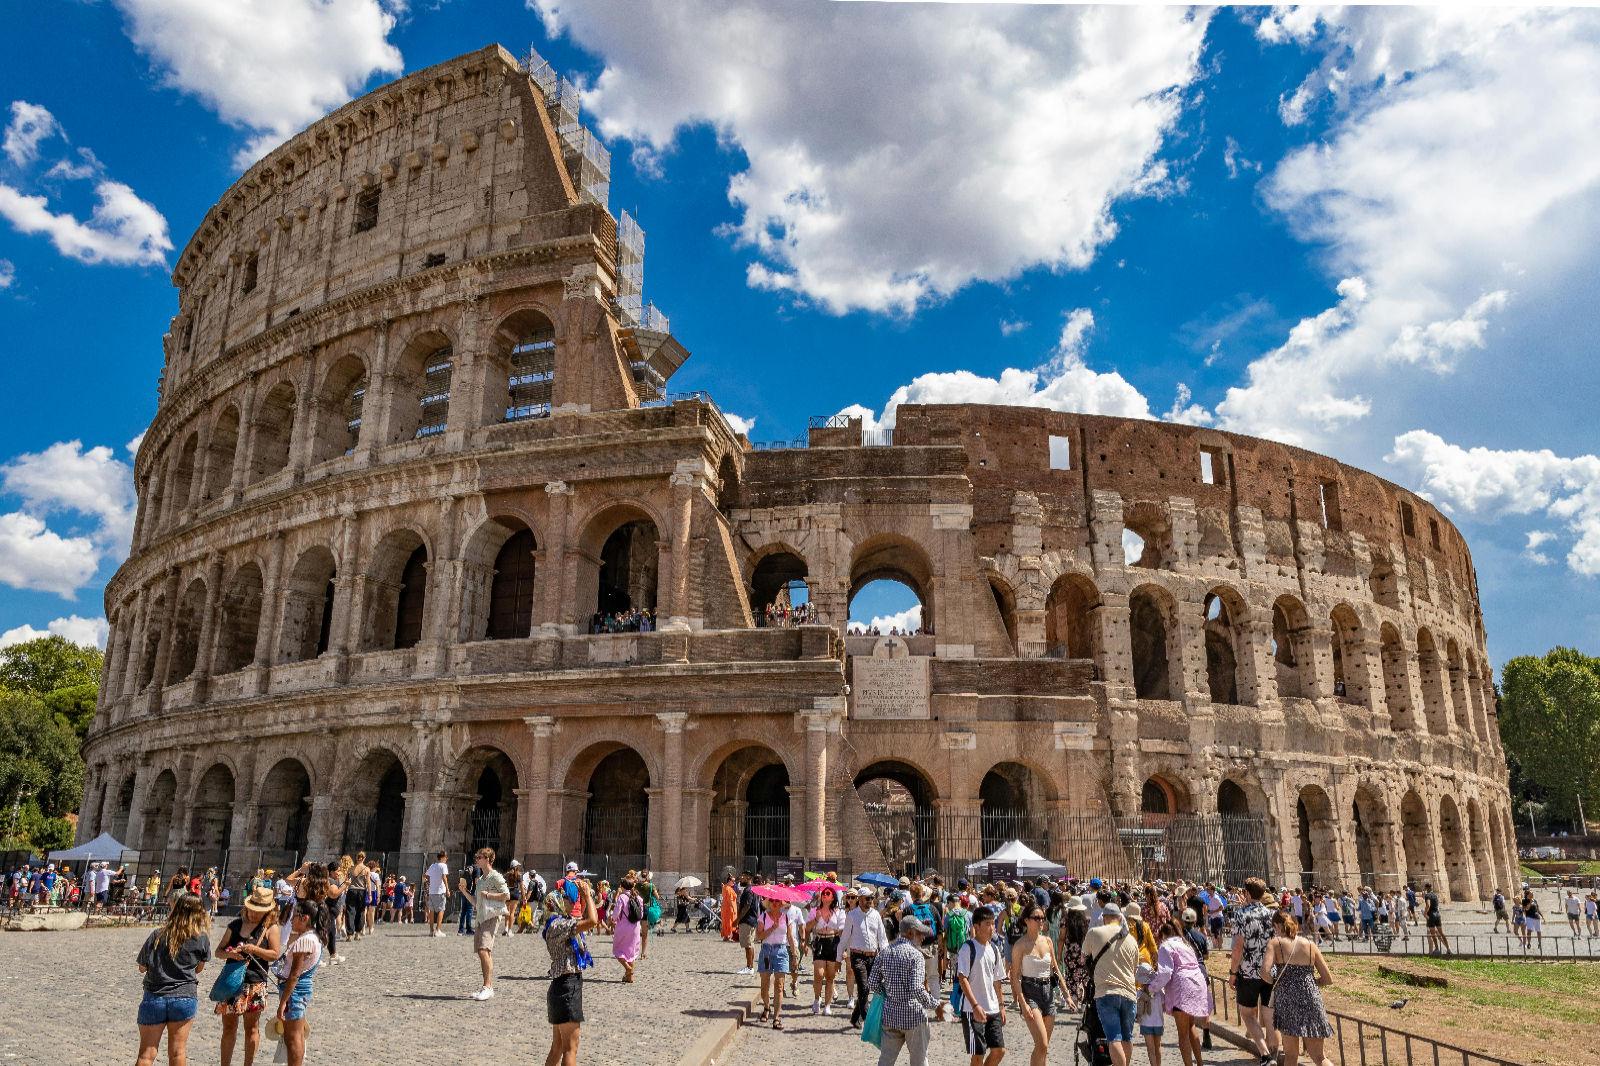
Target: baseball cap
x,y
572,867
1111,909
1094,882
1189,915
910,924
516,862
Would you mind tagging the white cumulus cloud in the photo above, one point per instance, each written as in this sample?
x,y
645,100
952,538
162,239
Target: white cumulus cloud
x,y
30,125
906,621
739,423
90,488
79,630
8,274
895,152
270,67
33,556
1537,538
123,230
1491,483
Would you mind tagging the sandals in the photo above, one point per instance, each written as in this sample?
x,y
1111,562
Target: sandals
x,y
777,1023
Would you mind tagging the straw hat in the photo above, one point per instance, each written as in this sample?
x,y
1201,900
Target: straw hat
x,y
260,900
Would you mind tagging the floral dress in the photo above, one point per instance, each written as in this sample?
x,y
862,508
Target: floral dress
x,y
1075,968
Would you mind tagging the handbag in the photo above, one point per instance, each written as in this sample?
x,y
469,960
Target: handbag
x,y
230,979
872,1027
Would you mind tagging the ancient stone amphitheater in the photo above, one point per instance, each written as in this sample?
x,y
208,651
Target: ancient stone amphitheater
x,y
413,437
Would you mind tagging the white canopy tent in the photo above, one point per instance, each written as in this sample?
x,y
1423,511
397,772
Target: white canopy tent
x,y
104,846
1029,862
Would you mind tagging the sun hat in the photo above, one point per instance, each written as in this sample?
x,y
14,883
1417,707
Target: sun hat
x,y
1133,910
260,900
1189,915
1076,905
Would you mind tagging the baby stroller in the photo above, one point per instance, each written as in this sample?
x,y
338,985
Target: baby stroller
x,y
707,913
1090,1046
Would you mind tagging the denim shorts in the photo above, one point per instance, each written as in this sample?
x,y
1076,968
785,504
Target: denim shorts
x,y
1116,1016
299,998
774,959
159,1010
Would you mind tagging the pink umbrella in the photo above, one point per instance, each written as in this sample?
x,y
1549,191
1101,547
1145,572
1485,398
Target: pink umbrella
x,y
782,893
811,888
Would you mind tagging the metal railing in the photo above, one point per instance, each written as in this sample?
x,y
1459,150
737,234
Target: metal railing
x,y
1474,945
1358,1042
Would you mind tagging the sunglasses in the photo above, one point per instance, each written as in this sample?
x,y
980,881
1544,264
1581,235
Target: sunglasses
x,y
1035,917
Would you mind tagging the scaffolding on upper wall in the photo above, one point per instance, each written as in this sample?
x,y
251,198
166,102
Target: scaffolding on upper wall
x,y
587,159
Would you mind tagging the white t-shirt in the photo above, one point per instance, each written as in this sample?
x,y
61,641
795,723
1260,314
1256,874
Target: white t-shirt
x,y
1574,905
982,966
284,889
438,876
774,930
306,943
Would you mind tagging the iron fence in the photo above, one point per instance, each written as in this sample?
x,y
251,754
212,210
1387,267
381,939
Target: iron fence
x,y
1208,847
1475,946
1358,1042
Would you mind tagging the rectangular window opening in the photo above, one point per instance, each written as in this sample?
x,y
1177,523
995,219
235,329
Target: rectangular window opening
x,y
1408,519
1213,467
366,213
252,274
1331,518
1060,453
1433,533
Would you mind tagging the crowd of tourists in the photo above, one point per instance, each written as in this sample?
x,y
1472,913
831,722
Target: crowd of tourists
x,y
633,620
784,614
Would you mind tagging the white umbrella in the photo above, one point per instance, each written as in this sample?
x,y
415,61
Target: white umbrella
x,y
688,881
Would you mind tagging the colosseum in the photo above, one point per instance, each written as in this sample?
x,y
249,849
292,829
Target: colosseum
x,y
428,556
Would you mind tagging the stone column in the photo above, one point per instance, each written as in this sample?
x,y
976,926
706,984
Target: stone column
x,y
208,630
134,834
164,650
538,836
271,619
134,656
345,629
672,723
1318,643
555,583
520,846
687,480
245,443
823,718
1369,674
306,407
182,802
323,826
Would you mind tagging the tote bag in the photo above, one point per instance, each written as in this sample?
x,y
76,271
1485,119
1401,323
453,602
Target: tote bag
x,y
872,1028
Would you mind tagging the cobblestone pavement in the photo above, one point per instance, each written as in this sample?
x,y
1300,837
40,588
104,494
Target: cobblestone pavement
x,y
71,997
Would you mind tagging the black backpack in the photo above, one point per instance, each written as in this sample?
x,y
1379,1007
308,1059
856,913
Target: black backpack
x,y
635,908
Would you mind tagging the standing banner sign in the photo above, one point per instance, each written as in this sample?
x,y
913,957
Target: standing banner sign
x,y
1002,871
823,867
795,868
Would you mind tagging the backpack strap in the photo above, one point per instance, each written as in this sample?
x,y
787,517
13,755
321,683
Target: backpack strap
x,y
1095,963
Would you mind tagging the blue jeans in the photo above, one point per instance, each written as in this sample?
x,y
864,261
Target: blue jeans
x,y
299,996
1116,1016
464,921
160,1010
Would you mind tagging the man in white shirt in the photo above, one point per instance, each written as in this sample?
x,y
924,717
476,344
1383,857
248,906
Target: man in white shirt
x,y
980,970
438,880
863,937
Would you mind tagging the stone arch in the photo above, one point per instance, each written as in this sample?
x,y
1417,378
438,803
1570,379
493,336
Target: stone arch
x,y
777,577
1497,844
1069,622
488,777
1475,687
1482,856
1317,837
339,409
122,811
272,431
1005,604
308,606
1458,686
1015,801
283,805
1382,582
373,799
1153,634
750,813
396,591
1225,638
160,800
1349,657
506,613
1163,797
239,619
619,568
211,810
1292,653
1243,806
1369,825
613,780
181,495
891,557
186,632
1457,857
900,800
1152,534
727,484
420,384
221,445
153,495
1416,831
1396,679
1435,697
522,368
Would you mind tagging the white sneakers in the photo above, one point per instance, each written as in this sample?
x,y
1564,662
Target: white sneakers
x,y
827,1008
816,1006
743,971
438,932
482,994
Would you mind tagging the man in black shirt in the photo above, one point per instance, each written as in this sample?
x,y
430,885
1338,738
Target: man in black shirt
x,y
467,883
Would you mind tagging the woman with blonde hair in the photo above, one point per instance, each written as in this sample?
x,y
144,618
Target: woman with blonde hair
x,y
171,960
1301,973
251,940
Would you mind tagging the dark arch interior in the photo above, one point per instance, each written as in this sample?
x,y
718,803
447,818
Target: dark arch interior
x,y
899,806
511,590
1232,800
1149,634
628,563
412,599
779,580
618,806
1156,798
1012,803
766,824
285,807
1221,663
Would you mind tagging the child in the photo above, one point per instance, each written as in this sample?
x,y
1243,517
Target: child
x,y
293,971
171,960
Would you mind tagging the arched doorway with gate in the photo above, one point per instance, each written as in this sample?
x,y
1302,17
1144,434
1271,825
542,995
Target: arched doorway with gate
x,y
899,802
375,804
750,812
489,778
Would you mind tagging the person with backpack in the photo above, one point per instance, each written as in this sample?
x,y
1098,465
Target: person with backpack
x,y
1113,960
980,972
627,916
957,930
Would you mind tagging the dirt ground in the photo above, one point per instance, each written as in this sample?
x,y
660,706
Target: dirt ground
x,y
1528,1012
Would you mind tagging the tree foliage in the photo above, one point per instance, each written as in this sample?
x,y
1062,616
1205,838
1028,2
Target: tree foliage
x,y
49,663
1550,726
41,773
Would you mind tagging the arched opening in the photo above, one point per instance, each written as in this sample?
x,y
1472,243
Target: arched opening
x,y
1005,604
375,804
1458,686
1149,629
152,641
123,811
1244,844
1396,679
1367,825
1146,536
211,818
308,607
239,623
420,404
1015,805
896,560
1222,658
1480,720
153,494
1349,658
779,594
397,589
629,562
1069,629
1457,860
525,353
1291,649
1318,841
159,803
273,429
511,588
339,409
1482,862
899,801
617,811
285,807
220,449
1383,584
182,492
1231,800
1417,838
490,778
186,632
1162,798
750,823
1435,700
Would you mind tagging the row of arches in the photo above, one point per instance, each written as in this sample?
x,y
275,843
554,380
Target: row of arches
x,y
348,399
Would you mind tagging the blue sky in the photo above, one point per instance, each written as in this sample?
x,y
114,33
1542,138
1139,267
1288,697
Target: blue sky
x,y
1368,231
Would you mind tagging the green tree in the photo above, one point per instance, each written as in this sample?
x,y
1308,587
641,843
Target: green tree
x,y
48,663
41,773
75,705
1550,725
